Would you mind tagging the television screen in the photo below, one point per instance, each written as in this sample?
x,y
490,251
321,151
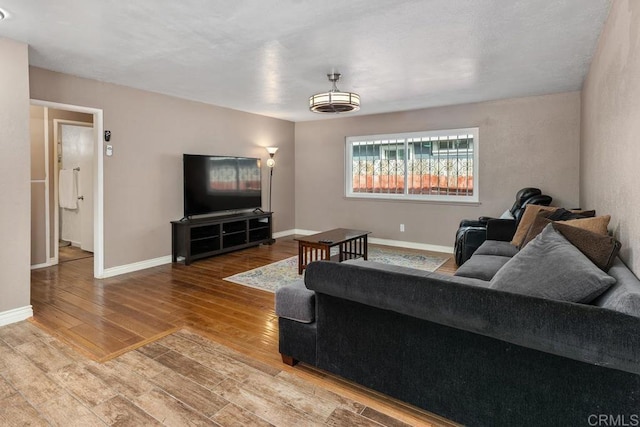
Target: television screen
x,y
220,183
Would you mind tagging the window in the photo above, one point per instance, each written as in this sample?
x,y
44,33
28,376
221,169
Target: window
x,y
430,165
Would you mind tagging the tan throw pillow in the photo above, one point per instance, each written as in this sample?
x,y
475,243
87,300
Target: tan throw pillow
x,y
539,223
600,249
529,215
597,225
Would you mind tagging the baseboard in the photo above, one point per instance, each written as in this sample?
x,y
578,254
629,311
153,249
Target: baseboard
x,y
43,265
140,265
283,233
304,232
389,242
15,315
411,245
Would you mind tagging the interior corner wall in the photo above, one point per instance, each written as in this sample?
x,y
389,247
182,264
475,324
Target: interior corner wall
x,y
523,142
150,132
610,146
15,208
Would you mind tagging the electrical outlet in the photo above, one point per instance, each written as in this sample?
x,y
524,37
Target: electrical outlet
x,y
402,228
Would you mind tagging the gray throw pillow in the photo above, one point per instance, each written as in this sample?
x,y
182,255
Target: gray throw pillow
x,y
551,267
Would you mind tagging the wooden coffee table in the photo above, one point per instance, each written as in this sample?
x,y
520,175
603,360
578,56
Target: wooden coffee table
x,y
351,244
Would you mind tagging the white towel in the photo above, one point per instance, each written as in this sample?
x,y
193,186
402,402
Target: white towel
x,y
68,189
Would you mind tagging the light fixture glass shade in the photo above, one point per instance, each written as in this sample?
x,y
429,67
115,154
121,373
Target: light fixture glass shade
x,y
271,163
271,150
334,101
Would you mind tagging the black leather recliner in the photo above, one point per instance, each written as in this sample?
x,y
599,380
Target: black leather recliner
x,y
472,233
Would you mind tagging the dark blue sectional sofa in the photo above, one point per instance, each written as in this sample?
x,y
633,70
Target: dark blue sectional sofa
x,y
462,349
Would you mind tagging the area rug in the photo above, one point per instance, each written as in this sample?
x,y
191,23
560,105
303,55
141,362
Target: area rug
x,y
273,276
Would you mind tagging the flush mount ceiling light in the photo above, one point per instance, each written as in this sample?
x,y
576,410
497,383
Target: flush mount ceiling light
x,y
2,15
334,101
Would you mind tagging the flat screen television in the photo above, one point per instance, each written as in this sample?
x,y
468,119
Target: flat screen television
x,y
220,183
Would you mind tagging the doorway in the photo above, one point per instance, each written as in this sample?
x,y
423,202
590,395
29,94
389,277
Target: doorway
x,y
87,220
73,189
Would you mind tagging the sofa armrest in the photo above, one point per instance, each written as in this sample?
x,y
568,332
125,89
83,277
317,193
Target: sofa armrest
x,y
296,302
472,223
576,331
480,222
501,229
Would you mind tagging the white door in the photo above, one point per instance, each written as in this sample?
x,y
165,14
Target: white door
x,y
81,139
85,189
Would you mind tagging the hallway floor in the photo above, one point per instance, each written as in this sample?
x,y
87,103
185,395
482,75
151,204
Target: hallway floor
x,y
72,253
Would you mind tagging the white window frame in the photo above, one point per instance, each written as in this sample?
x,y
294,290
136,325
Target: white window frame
x,y
474,198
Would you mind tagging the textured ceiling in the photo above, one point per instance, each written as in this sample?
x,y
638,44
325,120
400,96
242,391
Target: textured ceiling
x,y
269,56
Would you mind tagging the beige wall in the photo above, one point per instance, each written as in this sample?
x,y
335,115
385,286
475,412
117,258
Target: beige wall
x,y
610,150
14,176
150,132
530,141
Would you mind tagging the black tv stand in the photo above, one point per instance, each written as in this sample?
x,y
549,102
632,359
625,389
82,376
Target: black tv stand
x,y
204,237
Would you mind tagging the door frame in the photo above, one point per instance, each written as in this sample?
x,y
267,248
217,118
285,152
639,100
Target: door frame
x,y
56,170
98,177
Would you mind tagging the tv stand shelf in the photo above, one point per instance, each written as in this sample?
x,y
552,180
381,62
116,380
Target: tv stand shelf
x,y
203,237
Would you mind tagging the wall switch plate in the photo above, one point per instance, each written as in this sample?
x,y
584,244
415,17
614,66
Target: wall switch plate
x,y
109,150
402,228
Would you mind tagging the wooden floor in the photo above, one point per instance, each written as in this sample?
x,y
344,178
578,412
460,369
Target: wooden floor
x,y
72,253
181,379
108,317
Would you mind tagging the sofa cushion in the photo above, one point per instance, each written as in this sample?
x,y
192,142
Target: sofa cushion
x,y
600,249
555,213
551,267
482,267
624,296
596,225
296,302
540,221
389,267
529,215
496,247
416,272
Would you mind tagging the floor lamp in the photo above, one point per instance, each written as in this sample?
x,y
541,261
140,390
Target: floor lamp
x,y
271,163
